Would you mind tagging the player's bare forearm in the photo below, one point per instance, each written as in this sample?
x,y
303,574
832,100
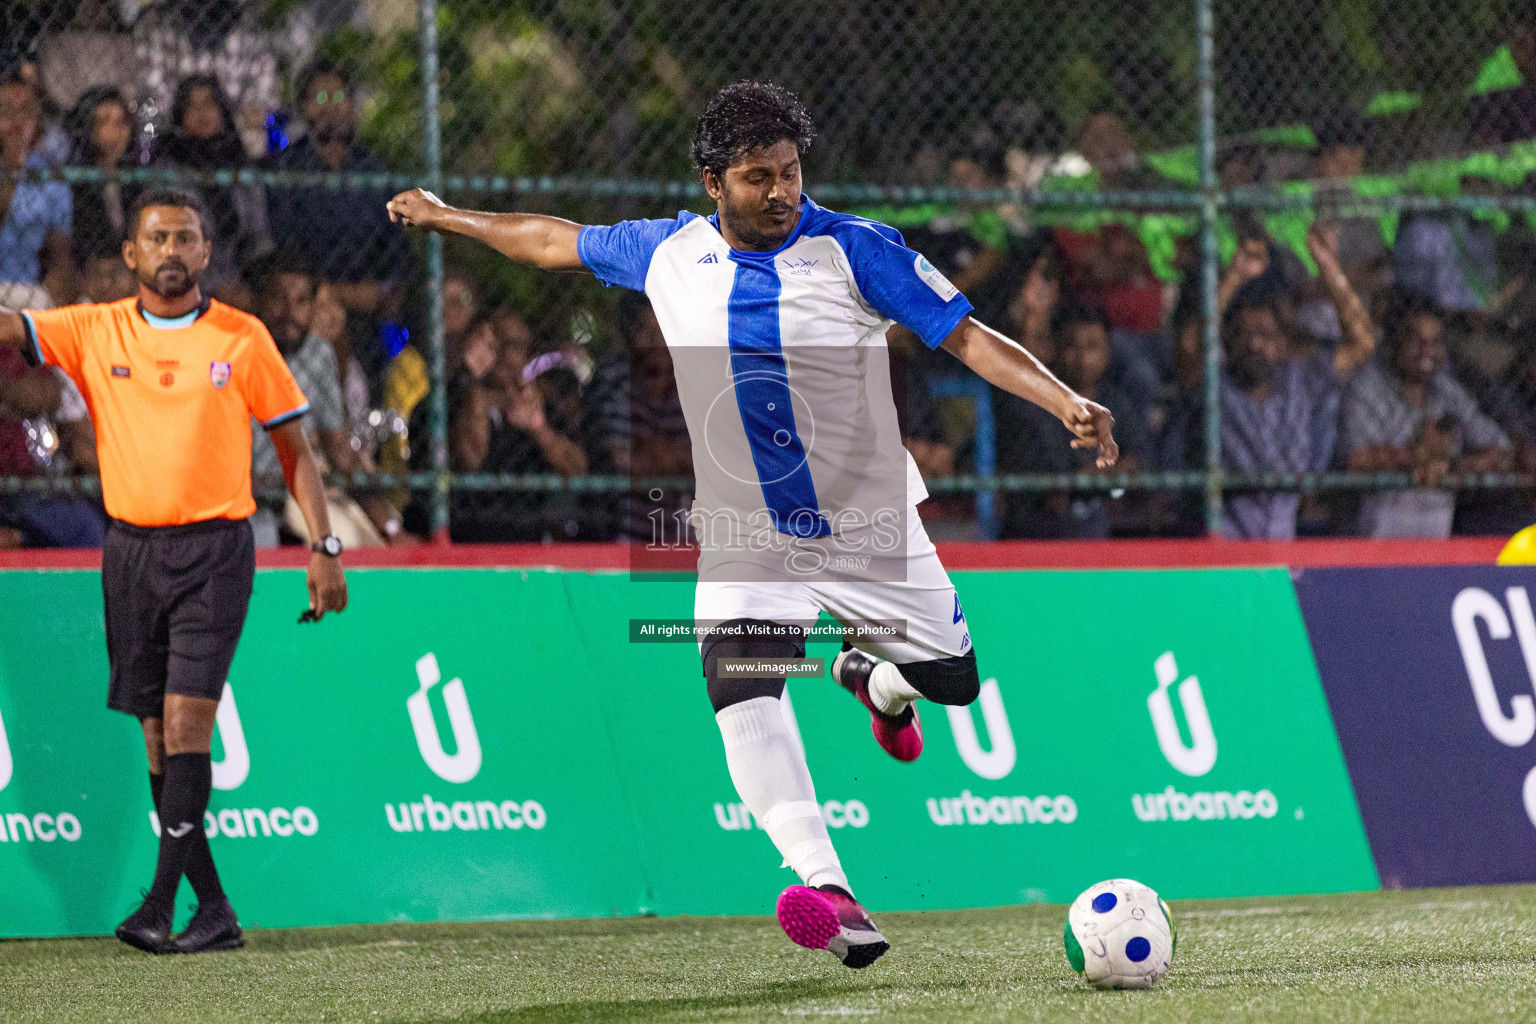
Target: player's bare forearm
x,y
302,476
327,584
1492,459
545,242
1007,365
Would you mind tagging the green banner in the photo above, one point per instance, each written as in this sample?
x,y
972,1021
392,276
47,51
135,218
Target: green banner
x,y
476,744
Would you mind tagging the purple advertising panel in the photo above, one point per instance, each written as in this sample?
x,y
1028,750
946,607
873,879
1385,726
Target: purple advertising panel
x,y
1430,674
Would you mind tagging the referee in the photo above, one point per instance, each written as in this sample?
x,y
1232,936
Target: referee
x,y
173,380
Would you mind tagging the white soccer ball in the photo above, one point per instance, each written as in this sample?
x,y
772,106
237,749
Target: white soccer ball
x,y
1120,934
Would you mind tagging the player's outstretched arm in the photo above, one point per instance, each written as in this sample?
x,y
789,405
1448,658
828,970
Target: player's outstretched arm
x,y
546,242
1008,365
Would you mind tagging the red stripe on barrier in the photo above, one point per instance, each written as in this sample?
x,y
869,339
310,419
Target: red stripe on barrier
x,y
1111,554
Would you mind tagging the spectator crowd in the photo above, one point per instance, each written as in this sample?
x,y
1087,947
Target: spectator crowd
x,y
1409,352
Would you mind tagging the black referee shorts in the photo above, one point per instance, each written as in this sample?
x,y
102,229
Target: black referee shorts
x,y
176,599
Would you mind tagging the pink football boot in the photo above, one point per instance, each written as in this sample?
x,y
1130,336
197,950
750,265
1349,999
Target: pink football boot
x,y
901,735
828,917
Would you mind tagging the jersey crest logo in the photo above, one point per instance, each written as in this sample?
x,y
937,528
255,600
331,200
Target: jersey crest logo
x,y
709,257
219,374
930,276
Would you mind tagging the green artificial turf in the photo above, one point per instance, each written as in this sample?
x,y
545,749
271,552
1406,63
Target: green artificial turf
x,y
1430,955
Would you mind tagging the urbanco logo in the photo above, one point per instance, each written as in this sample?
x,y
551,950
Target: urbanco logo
x,y
6,765
1200,756
23,827
1194,759
231,771
998,761
464,763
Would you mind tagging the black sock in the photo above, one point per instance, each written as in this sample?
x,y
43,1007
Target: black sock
x,y
199,867
187,782
201,872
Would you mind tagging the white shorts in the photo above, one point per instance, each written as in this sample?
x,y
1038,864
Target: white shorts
x,y
924,603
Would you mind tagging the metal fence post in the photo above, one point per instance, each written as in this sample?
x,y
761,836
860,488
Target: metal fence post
x,y
432,158
1209,262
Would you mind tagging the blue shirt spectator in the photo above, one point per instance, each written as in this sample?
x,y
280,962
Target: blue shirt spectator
x,y
34,238
1279,411
1290,426
37,208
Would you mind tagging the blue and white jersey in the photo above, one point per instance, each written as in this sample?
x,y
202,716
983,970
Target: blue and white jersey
x,y
781,361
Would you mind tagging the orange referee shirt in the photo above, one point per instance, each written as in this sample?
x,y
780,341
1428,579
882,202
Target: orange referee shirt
x,y
172,402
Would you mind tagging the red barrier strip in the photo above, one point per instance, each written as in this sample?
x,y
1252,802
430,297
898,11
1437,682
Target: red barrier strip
x,y
1113,554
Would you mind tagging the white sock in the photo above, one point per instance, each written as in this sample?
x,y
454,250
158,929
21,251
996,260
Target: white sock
x,y
771,776
889,691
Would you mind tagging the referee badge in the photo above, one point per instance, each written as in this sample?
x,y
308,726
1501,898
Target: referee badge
x,y
219,374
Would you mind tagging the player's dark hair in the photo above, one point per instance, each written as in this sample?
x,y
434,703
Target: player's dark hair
x,y
287,259
1341,128
746,116
168,195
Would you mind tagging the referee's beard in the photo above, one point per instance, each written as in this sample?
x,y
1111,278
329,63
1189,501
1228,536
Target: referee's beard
x,y
171,279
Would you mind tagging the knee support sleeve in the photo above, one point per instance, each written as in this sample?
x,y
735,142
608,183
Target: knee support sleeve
x,y
748,638
945,680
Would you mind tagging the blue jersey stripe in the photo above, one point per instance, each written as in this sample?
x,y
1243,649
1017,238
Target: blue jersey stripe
x,y
762,395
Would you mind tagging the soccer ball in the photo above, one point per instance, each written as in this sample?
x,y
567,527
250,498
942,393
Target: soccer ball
x,y
1120,934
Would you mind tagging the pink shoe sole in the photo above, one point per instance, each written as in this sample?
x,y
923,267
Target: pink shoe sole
x,y
807,917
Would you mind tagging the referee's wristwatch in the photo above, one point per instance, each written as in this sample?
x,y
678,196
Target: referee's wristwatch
x,y
330,545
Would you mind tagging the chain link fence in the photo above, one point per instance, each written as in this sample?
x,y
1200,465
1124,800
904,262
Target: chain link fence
x,y
1289,244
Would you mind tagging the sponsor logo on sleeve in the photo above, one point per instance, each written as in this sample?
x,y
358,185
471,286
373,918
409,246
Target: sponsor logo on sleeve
x,y
930,276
